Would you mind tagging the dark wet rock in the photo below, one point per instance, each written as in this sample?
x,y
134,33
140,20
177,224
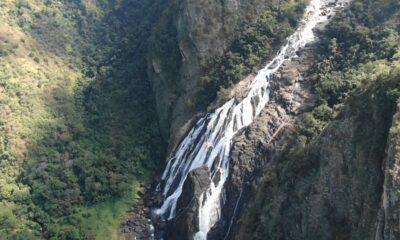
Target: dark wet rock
x,y
186,222
216,177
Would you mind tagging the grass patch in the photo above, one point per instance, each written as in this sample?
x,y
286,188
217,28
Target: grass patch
x,y
103,219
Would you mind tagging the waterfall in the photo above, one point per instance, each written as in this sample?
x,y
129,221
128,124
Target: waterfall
x,y
209,142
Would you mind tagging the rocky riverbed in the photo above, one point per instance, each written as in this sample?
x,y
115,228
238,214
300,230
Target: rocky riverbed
x,y
137,225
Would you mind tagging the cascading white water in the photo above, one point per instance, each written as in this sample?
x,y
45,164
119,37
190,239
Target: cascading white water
x,y
209,141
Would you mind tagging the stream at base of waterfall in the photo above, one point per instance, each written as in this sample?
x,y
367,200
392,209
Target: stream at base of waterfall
x,y
208,143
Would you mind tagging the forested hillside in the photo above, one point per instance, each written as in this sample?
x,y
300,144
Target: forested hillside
x,y
77,129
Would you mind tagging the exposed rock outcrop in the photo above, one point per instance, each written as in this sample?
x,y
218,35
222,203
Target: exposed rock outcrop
x,y
186,222
388,217
202,29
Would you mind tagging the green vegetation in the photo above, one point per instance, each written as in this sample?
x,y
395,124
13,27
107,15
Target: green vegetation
x,y
111,213
77,130
163,43
256,42
359,48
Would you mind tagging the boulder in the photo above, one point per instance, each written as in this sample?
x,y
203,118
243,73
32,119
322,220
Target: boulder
x,y
186,222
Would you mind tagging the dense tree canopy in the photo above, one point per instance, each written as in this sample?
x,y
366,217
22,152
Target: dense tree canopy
x,y
77,130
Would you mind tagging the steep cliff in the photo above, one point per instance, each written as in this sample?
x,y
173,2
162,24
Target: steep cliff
x,y
388,217
189,35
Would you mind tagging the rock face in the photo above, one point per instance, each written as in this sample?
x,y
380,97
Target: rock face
x,y
256,146
342,186
202,29
185,224
387,226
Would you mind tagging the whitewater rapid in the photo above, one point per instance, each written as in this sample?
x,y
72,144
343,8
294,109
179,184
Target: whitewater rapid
x,y
209,142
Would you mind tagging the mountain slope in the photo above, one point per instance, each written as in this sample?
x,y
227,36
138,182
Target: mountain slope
x,y
77,127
